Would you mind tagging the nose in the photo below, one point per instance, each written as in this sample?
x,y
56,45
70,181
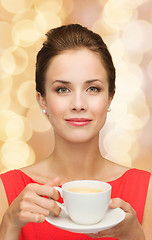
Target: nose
x,y
78,102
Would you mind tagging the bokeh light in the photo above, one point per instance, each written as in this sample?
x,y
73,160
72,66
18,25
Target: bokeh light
x,y
53,5
137,36
45,21
5,116
14,60
16,6
16,154
116,14
24,34
18,127
27,89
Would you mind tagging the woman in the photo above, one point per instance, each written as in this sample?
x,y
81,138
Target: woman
x,y
75,83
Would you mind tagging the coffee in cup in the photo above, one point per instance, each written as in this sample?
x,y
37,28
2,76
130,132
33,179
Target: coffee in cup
x,y
84,190
85,201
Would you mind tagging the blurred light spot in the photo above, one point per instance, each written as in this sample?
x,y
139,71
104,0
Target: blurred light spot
x,y
117,144
18,127
5,33
5,84
26,94
118,111
24,34
120,158
135,150
44,21
128,85
131,122
134,4
140,108
38,120
15,154
5,15
115,13
16,6
137,36
136,71
31,157
5,101
17,108
28,130
28,15
7,62
53,5
122,66
117,50
117,141
5,116
14,60
133,57
107,32
14,127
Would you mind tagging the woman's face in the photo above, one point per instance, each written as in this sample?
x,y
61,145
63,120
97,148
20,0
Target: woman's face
x,y
76,95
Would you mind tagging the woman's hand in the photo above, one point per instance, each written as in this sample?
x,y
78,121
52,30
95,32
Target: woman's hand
x,y
31,206
128,229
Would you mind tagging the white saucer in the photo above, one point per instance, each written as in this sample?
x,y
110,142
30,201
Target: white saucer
x,y
112,218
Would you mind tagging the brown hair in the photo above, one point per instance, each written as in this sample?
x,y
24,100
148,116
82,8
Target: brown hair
x,y
72,36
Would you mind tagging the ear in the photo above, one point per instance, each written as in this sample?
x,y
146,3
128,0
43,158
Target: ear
x,y
110,100
41,100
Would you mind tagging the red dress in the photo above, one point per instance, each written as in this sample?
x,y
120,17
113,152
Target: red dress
x,y
132,187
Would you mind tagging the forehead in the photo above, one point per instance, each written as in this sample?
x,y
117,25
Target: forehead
x,y
78,63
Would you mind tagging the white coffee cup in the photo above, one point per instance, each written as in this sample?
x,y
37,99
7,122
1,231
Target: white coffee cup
x,y
85,208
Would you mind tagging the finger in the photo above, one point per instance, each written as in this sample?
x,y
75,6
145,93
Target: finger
x,y
48,204
31,207
27,217
111,232
41,190
34,194
119,203
45,180
55,182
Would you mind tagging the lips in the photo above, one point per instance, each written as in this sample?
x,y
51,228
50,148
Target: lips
x,y
78,121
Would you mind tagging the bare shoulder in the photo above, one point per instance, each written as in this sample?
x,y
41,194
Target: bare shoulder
x,y
3,201
147,218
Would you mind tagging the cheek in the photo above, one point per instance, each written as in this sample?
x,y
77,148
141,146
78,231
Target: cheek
x,y
99,107
56,108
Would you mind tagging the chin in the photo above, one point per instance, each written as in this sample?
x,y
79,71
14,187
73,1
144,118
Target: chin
x,y
80,139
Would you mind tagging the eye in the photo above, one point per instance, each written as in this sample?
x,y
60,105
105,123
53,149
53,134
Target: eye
x,y
93,89
63,90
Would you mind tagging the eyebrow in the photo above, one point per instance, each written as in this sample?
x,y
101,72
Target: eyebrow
x,y
94,80
87,82
61,81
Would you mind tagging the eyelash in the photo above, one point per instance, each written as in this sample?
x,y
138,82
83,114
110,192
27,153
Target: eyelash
x,y
60,89
97,89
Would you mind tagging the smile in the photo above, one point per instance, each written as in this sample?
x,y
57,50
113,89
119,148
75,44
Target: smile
x,y
78,121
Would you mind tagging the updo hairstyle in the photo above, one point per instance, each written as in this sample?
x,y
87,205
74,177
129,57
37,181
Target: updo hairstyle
x,y
72,37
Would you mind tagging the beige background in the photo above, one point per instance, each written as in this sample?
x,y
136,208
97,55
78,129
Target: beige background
x,y
126,27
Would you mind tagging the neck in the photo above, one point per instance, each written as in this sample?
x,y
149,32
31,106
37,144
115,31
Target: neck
x,y
76,160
